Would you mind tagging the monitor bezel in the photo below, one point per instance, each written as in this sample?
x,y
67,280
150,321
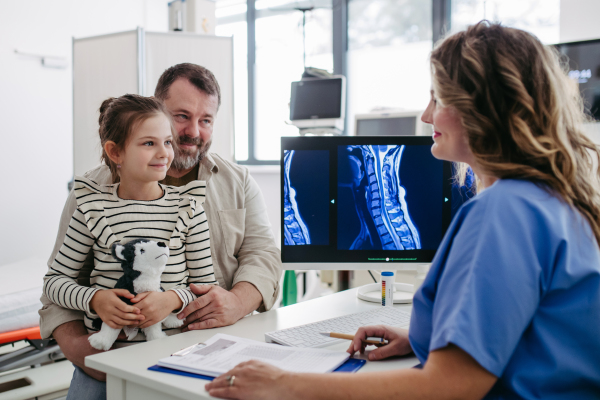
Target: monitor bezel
x,y
590,41
558,48
318,122
391,115
349,259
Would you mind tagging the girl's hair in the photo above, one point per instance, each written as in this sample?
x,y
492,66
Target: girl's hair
x,y
120,116
522,115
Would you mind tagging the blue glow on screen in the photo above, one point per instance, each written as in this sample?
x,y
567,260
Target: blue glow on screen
x,y
306,197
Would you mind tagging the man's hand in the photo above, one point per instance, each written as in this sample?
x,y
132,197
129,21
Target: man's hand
x,y
114,311
156,306
216,306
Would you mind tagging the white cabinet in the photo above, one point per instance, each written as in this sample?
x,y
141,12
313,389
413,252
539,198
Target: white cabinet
x,y
131,62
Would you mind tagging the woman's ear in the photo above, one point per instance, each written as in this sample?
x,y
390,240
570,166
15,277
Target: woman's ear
x,y
113,152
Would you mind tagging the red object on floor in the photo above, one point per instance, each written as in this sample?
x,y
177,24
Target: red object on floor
x,y
21,334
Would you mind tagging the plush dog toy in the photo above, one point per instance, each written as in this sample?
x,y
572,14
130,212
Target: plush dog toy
x,y
143,262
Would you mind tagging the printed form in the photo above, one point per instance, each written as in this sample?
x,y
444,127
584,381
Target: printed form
x,y
222,352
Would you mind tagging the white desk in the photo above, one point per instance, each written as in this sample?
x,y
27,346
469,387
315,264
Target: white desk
x,y
127,372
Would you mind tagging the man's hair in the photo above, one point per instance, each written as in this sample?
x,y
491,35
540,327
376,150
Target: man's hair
x,y
198,76
120,116
521,113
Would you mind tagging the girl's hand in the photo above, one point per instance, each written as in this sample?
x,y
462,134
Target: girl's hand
x,y
398,344
156,306
114,311
253,380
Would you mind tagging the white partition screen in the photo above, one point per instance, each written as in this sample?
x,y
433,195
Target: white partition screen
x,y
103,67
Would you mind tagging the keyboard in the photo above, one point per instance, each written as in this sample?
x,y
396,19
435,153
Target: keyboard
x,y
309,335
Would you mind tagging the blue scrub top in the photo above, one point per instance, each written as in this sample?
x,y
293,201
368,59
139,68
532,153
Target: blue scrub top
x,y
516,284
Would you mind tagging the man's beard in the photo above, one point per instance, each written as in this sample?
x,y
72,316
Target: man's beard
x,y
187,159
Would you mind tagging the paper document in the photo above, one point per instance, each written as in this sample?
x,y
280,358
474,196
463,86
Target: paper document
x,y
222,352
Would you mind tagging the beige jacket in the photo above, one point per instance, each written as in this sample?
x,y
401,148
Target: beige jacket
x,y
242,243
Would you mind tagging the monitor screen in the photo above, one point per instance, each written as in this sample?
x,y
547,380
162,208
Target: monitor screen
x,y
316,99
352,199
584,69
387,126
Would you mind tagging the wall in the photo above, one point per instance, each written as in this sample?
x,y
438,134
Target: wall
x,y
36,109
268,178
579,20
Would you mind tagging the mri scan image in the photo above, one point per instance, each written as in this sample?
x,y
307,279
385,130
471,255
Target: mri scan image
x,y
306,197
372,176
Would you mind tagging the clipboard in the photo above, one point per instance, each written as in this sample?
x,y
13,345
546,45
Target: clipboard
x,y
351,365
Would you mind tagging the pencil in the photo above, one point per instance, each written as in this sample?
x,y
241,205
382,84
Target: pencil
x,y
369,340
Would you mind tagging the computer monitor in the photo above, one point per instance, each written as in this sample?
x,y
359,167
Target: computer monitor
x,y
318,103
352,202
584,69
392,123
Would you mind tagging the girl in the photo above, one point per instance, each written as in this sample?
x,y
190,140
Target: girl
x,y
511,304
137,139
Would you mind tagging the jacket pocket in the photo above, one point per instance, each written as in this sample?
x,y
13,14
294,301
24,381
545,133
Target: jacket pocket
x,y
233,227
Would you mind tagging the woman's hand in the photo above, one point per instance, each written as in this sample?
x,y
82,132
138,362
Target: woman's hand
x,y
114,311
398,344
156,306
252,380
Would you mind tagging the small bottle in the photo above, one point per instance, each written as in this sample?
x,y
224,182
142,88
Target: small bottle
x,y
387,289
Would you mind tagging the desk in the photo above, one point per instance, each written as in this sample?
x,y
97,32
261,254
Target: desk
x,y
129,379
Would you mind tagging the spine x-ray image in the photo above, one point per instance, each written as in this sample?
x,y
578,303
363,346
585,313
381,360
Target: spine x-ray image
x,y
305,197
295,230
372,174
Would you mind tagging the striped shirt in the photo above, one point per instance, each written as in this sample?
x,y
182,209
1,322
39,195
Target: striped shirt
x,y
102,218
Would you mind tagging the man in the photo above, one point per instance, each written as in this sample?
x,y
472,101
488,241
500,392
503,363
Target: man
x,y
247,262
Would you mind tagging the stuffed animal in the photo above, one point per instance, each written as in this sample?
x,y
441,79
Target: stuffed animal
x,y
143,262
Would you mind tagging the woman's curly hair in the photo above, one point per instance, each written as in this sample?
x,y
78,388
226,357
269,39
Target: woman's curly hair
x,y
522,115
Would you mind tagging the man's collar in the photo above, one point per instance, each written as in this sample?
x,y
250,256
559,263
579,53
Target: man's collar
x,y
208,166
209,163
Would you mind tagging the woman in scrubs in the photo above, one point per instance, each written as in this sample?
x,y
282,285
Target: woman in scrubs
x,y
511,305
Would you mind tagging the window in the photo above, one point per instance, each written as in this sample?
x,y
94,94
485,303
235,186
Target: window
x,y
388,45
389,42
231,21
279,62
540,17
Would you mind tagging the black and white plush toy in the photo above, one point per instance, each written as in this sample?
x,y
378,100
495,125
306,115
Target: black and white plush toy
x,y
143,262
